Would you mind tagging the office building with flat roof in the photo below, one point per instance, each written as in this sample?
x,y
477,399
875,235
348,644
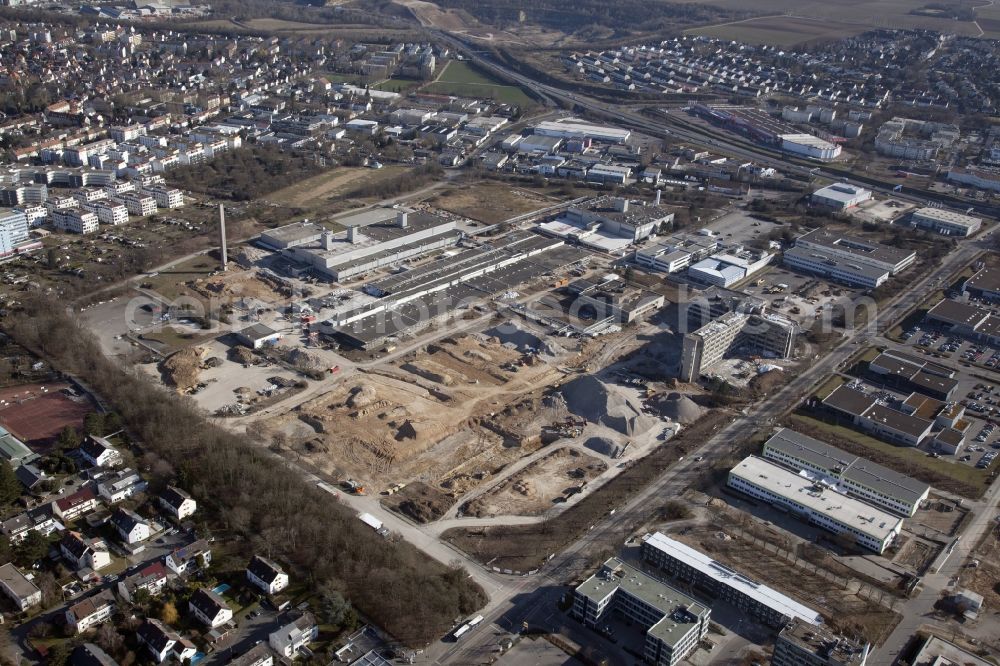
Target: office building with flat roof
x,y
858,477
845,259
810,497
801,644
939,652
674,621
721,582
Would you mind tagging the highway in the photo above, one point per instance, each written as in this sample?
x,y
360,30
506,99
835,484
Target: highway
x,y
677,126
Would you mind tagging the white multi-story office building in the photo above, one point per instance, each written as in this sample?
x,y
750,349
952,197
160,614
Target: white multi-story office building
x,y
813,499
801,644
845,259
861,478
674,622
698,570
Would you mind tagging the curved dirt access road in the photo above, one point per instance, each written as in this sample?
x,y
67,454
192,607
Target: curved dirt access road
x,y
431,16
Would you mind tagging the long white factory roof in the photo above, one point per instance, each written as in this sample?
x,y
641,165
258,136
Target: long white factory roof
x,y
724,575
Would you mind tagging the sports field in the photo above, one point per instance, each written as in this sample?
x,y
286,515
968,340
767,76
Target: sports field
x,y
458,78
37,413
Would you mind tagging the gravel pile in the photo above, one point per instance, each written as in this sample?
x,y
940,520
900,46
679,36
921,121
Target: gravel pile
x,y
680,408
591,399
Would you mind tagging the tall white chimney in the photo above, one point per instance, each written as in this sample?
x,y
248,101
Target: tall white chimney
x,y
658,193
222,236
402,219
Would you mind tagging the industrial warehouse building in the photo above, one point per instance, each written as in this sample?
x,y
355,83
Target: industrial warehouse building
x,y
802,644
674,622
765,334
412,299
702,572
984,284
341,256
845,259
810,498
945,222
856,476
840,196
573,128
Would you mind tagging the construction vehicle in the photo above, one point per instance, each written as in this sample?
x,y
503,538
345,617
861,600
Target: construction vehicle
x,y
355,487
562,282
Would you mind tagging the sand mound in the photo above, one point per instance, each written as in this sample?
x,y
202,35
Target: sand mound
x,y
182,368
362,395
604,446
680,408
591,399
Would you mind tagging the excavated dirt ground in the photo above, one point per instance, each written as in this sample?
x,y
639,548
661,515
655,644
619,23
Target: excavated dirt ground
x,y
531,491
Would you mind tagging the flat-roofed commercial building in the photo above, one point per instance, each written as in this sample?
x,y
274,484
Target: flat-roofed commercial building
x,y
967,320
340,256
946,222
845,259
701,571
840,196
835,268
573,128
861,478
801,644
868,414
674,622
939,652
808,497
21,591
984,284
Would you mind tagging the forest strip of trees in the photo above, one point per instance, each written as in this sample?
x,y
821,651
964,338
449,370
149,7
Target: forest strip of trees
x,y
411,596
246,173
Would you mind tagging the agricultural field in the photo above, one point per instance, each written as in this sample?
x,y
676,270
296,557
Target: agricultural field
x,y
459,78
787,23
785,31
